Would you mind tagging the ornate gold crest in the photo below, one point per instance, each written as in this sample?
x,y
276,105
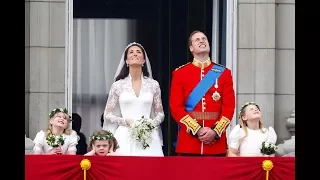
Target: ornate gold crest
x,y
216,96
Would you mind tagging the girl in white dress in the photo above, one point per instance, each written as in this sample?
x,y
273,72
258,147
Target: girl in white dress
x,y
58,138
134,94
102,143
246,139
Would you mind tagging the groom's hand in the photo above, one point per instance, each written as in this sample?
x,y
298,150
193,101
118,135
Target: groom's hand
x,y
202,131
209,136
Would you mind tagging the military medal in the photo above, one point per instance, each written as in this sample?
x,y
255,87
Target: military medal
x,y
216,96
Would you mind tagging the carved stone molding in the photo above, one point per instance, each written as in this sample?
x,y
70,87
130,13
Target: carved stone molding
x,y
287,148
291,124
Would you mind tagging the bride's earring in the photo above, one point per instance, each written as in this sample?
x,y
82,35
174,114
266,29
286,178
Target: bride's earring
x,y
142,65
127,65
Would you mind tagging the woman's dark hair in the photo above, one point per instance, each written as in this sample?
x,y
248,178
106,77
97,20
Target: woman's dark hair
x,y
125,69
102,119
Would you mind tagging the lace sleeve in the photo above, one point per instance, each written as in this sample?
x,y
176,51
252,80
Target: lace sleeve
x,y
157,105
111,113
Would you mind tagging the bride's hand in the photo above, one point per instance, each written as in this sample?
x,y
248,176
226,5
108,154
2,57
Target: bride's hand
x,y
129,122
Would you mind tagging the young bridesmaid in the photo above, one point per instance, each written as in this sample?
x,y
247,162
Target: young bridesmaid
x,y
58,138
102,143
246,139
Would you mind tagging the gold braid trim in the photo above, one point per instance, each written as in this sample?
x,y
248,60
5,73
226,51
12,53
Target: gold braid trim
x,y
191,124
182,66
221,125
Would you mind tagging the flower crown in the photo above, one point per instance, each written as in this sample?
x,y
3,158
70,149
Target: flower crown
x,y
106,136
245,105
63,110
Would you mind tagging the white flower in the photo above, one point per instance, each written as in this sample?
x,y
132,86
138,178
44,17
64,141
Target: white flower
x,y
268,148
141,131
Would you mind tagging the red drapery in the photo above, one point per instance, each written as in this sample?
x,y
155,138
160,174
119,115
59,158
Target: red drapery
x,y
67,167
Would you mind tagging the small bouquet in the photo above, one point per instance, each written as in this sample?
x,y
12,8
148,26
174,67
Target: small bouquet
x,y
141,131
55,141
268,148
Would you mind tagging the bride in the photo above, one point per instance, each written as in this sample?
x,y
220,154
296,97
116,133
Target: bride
x,y
134,94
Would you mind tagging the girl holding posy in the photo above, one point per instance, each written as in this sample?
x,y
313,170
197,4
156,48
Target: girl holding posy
x,y
250,138
58,138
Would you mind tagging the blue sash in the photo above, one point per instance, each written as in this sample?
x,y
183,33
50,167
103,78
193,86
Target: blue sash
x,y
203,86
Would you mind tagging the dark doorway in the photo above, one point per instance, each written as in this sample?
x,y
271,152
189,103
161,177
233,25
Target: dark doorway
x,y
163,27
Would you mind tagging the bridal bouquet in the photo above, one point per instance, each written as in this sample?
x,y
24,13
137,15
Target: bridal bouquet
x,y
55,141
141,131
268,148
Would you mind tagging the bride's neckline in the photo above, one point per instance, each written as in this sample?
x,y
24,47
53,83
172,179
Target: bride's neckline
x,y
138,92
130,77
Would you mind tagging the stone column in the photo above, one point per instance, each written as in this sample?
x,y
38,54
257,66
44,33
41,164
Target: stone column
x,y
256,56
27,65
45,61
285,66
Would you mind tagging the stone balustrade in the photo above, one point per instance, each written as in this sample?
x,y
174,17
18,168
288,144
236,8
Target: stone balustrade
x,y
287,148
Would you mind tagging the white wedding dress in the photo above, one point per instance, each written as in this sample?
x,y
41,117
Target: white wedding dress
x,y
124,104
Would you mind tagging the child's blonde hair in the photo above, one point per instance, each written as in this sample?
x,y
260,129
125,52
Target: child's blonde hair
x,y
103,135
243,124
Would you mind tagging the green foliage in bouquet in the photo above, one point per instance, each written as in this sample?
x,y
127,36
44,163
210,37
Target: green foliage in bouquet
x,y
55,141
268,148
141,131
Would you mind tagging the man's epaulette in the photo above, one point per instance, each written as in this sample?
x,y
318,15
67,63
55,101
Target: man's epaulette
x,y
182,66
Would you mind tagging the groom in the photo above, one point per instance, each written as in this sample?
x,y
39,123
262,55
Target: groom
x,y
202,102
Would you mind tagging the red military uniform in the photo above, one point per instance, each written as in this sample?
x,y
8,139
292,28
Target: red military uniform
x,y
215,114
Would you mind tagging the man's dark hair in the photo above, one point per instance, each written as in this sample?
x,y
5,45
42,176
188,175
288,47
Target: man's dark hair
x,y
76,125
76,122
189,40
